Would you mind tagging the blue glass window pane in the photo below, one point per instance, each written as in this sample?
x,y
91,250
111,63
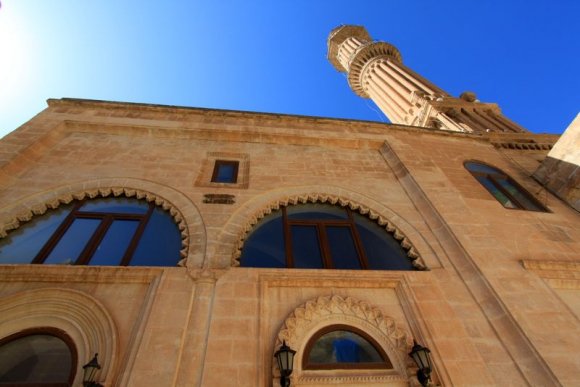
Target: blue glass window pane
x,y
73,242
518,194
116,205
343,347
306,248
160,243
24,243
476,167
225,173
35,359
264,247
382,250
342,248
114,244
316,211
500,196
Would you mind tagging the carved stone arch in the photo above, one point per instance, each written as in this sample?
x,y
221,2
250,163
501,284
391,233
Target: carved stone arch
x,y
242,221
82,317
321,312
183,211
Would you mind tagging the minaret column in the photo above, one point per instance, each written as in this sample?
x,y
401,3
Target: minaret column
x,y
375,71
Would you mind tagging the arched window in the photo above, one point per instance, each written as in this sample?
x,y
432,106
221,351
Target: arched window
x,y
322,236
107,231
38,357
506,191
343,347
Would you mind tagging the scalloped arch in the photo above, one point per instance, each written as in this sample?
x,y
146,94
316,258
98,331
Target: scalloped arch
x,y
255,211
80,315
315,314
183,211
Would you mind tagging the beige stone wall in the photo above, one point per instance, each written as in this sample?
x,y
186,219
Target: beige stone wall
x,y
487,317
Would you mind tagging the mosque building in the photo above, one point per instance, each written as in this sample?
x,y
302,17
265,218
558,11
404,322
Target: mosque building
x,y
199,247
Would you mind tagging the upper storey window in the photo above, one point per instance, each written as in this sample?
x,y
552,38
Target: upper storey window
x,y
509,193
225,171
109,231
321,236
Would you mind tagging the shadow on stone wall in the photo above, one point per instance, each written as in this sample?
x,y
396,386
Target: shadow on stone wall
x,y
562,179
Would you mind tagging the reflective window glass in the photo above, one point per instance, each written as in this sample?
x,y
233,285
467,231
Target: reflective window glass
x,y
306,248
24,243
336,348
383,252
225,171
70,246
105,231
317,236
37,358
495,191
161,242
264,247
342,248
114,244
503,188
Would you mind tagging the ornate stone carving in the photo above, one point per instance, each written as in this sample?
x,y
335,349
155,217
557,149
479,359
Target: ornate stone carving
x,y
308,318
81,316
412,253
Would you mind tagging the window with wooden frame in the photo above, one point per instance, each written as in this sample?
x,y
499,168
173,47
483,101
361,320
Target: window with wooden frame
x,y
38,357
343,347
503,188
225,171
108,231
322,236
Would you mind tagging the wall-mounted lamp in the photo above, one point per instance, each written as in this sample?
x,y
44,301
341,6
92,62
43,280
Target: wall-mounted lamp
x,y
421,357
91,369
285,358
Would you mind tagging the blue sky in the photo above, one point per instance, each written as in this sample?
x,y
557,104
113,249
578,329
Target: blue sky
x,y
270,56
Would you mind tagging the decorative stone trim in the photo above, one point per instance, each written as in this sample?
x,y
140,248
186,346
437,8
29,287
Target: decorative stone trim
x,y
80,315
522,146
412,253
187,218
558,274
310,317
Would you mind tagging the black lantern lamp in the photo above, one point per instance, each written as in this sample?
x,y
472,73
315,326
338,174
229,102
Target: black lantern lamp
x,y
91,369
421,357
285,358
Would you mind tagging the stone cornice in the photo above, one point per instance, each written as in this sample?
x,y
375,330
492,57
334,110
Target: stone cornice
x,y
82,274
258,120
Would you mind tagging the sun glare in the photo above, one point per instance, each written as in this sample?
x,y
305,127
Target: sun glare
x,y
15,54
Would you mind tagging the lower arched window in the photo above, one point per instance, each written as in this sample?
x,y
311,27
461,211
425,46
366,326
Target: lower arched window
x,y
106,231
37,357
343,347
322,236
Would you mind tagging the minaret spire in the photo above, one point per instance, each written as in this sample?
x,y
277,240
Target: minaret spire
x,y
376,71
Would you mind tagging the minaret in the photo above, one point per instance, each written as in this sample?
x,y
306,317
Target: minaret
x,y
376,71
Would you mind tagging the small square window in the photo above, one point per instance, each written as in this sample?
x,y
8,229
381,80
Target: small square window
x,y
225,171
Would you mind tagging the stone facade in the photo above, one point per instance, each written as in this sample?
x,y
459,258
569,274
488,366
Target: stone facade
x,y
495,296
